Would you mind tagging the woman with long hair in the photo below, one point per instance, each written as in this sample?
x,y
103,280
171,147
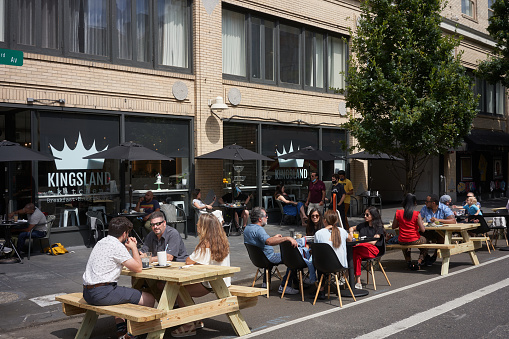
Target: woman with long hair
x,y
334,236
372,227
410,223
212,249
290,207
315,222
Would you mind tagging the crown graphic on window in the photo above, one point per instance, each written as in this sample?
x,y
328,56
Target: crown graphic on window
x,y
289,162
73,158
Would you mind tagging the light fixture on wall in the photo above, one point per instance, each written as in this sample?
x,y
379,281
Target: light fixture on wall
x,y
56,101
217,105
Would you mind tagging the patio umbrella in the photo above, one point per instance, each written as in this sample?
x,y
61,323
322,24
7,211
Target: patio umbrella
x,y
368,156
129,151
309,153
234,152
12,151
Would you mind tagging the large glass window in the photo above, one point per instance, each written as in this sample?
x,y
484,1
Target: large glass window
x,y
313,58
244,135
133,29
26,22
167,136
89,26
29,21
174,37
468,7
234,43
490,11
491,97
289,54
282,53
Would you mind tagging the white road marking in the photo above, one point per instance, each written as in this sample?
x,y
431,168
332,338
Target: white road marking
x,y
418,318
359,302
46,300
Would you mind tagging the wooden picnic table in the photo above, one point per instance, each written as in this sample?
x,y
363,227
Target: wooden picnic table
x,y
498,209
450,248
176,278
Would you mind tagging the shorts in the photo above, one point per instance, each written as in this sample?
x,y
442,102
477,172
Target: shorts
x,y
111,295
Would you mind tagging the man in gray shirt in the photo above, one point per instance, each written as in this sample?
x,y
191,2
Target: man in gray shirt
x,y
164,238
36,221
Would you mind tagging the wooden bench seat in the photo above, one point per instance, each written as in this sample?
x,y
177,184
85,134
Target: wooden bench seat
x,y
431,246
474,239
246,291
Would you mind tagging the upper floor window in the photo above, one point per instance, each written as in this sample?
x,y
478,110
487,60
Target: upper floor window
x,y
492,97
148,33
2,20
490,11
263,50
468,7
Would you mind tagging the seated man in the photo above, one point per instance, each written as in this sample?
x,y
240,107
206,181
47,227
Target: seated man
x,y
36,221
149,205
254,234
243,199
433,211
104,266
164,238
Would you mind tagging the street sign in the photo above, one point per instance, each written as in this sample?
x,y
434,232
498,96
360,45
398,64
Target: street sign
x,y
11,57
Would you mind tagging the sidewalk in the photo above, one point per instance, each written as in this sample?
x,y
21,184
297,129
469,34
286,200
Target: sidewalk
x,y
44,276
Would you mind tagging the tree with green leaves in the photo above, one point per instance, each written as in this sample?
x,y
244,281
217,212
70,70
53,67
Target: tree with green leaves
x,y
496,67
408,93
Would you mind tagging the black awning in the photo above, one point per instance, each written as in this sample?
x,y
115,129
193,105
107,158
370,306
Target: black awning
x,y
483,137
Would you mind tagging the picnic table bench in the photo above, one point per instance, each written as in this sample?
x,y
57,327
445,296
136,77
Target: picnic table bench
x,y
142,319
467,244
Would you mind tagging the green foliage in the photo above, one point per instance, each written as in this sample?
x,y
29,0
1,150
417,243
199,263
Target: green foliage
x,y
496,67
409,94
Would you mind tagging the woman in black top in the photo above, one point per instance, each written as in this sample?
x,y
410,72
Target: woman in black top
x,y
315,222
372,227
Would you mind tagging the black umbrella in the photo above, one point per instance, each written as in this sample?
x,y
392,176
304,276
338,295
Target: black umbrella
x,y
234,152
368,156
309,153
12,151
129,151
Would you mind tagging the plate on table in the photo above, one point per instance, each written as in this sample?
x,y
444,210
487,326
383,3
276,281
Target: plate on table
x,y
162,266
146,268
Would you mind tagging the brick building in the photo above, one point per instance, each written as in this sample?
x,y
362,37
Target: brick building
x,y
98,72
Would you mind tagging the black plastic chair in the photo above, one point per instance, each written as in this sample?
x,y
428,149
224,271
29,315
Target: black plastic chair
x,y
326,262
259,259
371,262
483,229
293,260
501,229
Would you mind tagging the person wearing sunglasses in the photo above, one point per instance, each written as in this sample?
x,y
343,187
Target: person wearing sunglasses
x,y
372,227
315,222
163,238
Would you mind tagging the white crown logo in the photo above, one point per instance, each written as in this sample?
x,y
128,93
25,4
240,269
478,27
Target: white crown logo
x,y
73,159
289,162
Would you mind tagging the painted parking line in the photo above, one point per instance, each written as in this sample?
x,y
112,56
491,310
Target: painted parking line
x,y
301,320
419,318
46,300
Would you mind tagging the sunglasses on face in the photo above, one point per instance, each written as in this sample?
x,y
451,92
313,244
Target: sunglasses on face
x,y
156,223
315,216
367,214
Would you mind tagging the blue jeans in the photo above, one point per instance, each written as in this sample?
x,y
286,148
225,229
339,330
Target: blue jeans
x,y
276,259
26,235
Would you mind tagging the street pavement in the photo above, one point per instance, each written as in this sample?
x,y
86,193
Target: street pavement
x,y
470,302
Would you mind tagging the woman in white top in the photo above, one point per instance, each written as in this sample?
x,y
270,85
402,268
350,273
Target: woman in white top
x,y
334,236
202,207
212,249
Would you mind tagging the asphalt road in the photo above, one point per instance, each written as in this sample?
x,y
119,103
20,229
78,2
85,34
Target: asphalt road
x,y
470,302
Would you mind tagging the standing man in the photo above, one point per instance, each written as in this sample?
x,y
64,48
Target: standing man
x,y
104,266
149,205
347,185
339,191
254,234
164,238
36,221
316,194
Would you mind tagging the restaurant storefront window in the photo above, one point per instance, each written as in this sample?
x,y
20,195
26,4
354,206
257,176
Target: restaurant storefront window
x,y
245,135
74,182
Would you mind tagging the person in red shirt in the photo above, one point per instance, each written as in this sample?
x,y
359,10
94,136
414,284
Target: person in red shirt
x,y
410,223
316,194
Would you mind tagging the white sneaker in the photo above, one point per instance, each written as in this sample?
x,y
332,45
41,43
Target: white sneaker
x,y
7,250
308,281
264,285
289,290
358,286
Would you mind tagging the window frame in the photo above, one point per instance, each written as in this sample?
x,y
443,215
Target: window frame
x,y
483,100
277,50
473,4
112,57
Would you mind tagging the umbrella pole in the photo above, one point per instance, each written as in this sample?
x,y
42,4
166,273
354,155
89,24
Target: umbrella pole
x,y
130,186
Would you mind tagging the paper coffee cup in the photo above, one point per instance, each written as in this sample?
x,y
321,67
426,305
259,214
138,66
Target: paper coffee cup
x,y
161,258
